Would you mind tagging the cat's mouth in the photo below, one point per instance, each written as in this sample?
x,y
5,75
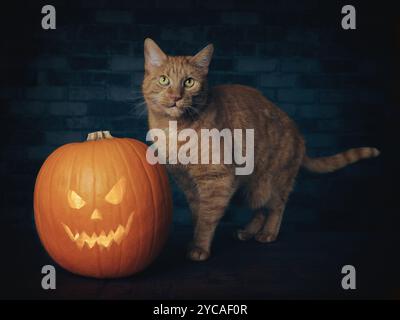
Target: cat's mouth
x,y
176,104
175,109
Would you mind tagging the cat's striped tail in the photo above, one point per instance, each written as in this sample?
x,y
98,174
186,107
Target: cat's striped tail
x,y
338,161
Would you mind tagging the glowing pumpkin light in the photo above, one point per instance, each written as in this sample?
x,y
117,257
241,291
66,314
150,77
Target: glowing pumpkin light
x,y
101,209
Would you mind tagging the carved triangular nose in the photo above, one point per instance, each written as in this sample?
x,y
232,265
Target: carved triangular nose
x,y
96,215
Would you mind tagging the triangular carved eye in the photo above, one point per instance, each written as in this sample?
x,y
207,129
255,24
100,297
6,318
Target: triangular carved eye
x,y
117,192
75,200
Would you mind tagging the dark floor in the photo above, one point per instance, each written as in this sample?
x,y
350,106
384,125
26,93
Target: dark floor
x,y
299,265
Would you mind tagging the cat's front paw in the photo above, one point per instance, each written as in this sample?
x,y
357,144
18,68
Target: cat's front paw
x,y
198,254
266,237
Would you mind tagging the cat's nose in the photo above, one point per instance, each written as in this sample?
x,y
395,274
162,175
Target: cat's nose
x,y
175,97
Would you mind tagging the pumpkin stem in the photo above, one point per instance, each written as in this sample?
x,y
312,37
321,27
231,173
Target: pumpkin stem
x,y
98,135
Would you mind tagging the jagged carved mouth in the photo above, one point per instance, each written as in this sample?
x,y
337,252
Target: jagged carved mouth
x,y
103,240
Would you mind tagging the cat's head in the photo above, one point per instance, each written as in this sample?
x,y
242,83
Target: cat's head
x,y
175,85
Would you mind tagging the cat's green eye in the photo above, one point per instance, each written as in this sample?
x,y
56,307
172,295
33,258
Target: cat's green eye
x,y
164,81
189,82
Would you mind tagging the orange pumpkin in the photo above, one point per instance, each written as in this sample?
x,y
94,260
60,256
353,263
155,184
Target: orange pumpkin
x,y
101,209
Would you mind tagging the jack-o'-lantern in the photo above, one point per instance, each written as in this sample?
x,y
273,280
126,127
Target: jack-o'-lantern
x,y
101,209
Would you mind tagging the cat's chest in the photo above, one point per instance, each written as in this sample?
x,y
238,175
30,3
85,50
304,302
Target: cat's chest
x,y
182,175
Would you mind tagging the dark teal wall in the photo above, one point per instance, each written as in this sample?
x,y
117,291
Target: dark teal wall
x,y
58,85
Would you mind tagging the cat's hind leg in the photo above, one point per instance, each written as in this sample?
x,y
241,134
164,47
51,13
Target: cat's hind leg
x,y
282,187
253,227
269,232
258,194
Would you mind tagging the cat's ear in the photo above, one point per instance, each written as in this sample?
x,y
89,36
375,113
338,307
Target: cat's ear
x,y
154,57
203,58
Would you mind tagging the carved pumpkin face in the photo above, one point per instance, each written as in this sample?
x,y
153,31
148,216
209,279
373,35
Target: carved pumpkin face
x,y
105,238
101,209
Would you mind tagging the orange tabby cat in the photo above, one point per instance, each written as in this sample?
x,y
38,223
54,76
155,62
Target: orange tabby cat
x,y
175,88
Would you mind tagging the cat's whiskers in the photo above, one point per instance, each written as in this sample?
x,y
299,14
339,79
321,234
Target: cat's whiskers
x,y
140,109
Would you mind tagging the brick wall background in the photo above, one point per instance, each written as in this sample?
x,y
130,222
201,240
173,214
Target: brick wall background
x,y
58,85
